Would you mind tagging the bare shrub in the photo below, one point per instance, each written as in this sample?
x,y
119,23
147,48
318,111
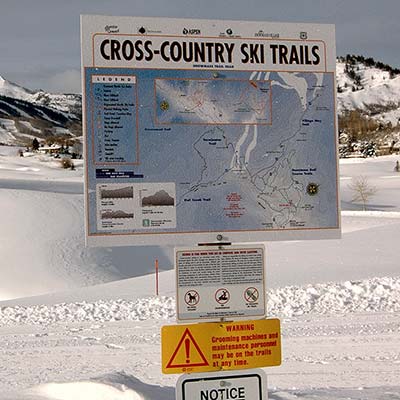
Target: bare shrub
x,y
67,163
362,190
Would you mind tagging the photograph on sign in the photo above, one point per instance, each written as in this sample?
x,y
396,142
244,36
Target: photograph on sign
x,y
216,346
189,136
234,385
214,283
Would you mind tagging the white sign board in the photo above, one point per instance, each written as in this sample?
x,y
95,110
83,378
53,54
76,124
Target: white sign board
x,y
195,128
242,385
215,283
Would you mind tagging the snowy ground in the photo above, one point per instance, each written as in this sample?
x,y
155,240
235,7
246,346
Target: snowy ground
x,y
95,337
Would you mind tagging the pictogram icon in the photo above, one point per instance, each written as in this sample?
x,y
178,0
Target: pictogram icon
x,y
251,294
222,296
192,297
187,353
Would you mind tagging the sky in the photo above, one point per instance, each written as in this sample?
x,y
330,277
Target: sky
x,y
40,39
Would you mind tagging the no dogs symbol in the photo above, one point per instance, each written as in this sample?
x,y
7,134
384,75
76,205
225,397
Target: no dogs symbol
x,y
192,298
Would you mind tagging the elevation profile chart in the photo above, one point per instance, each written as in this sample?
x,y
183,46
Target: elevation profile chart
x,y
135,206
115,206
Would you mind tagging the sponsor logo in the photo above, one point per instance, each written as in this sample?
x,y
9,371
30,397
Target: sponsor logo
x,y
111,28
261,33
229,33
145,30
192,31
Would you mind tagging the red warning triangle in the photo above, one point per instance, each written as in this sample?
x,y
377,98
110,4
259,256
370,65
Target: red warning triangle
x,y
187,353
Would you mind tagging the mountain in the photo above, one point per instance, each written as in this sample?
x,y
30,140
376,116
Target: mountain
x,y
368,98
370,87
25,114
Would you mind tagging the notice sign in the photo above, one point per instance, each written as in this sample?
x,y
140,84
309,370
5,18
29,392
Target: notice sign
x,y
220,283
233,385
217,346
195,128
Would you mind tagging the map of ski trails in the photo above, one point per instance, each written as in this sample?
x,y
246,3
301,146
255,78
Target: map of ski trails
x,y
198,128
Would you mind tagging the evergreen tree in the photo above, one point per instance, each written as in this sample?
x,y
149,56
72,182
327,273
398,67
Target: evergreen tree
x,y
35,144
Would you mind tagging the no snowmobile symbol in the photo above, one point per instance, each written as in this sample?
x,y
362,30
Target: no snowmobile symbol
x,y
222,296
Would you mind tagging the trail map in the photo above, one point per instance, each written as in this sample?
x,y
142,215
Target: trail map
x,y
211,151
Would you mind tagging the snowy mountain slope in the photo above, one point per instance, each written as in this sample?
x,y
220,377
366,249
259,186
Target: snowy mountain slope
x,y
21,108
10,89
373,91
26,114
67,103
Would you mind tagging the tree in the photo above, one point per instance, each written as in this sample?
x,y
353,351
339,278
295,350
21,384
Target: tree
x,y
35,144
363,190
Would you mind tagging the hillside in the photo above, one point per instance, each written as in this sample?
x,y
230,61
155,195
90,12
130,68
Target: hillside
x,y
370,87
368,98
25,114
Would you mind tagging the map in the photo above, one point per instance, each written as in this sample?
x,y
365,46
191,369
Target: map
x,y
212,101
212,151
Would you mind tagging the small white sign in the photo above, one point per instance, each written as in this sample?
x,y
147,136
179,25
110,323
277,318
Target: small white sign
x,y
214,283
239,385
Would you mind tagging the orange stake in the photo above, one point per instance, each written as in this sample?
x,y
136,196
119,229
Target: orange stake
x,y
156,263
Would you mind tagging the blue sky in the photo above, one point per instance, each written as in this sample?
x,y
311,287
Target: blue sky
x,y
40,39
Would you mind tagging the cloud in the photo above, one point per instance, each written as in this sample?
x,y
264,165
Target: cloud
x,y
68,81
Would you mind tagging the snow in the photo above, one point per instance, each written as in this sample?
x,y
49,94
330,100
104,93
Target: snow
x,y
368,295
29,126
62,102
61,131
11,89
378,89
7,131
85,323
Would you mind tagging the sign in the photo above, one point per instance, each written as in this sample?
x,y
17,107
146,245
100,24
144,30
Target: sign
x,y
243,385
217,346
199,128
217,283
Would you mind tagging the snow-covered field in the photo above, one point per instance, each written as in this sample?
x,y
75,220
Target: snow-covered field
x,y
87,334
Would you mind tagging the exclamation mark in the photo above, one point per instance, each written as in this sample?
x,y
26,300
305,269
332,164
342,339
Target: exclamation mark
x,y
187,349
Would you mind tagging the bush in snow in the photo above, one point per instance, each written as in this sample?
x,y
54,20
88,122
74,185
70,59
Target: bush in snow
x,y
363,190
67,163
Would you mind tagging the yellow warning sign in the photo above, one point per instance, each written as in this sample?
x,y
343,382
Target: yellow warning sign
x,y
220,346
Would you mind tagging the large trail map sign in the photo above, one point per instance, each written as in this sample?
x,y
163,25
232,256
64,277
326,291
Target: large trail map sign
x,y
195,128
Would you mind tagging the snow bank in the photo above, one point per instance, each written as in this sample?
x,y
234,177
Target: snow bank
x,y
115,386
86,390
369,295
